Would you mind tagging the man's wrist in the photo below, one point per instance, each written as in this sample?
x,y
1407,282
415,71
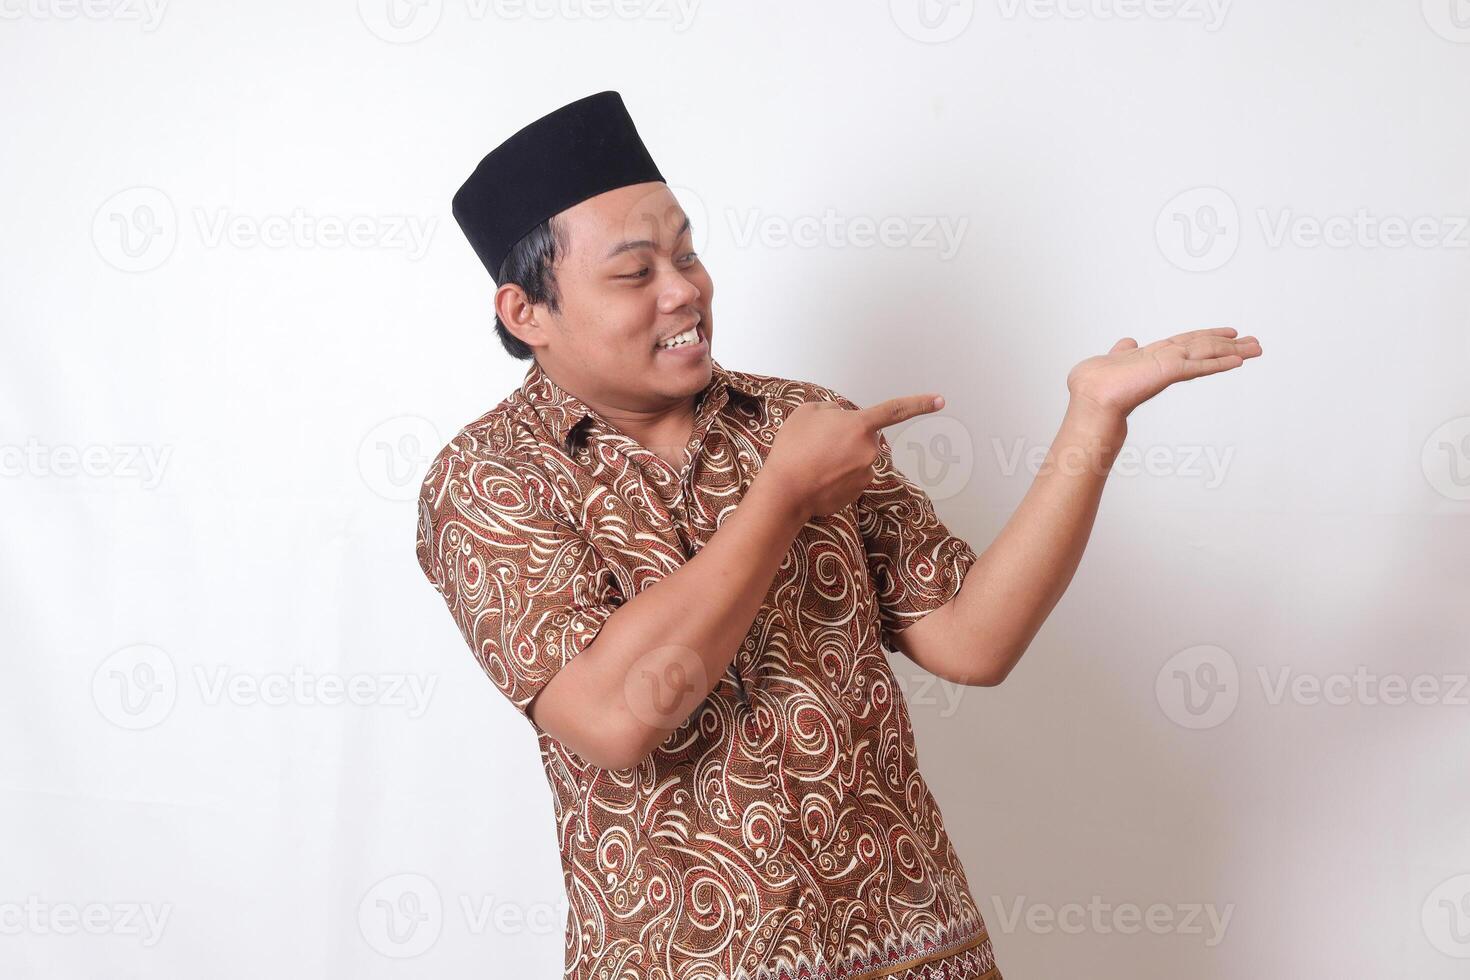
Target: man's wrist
x,y
1102,422
772,492
1090,438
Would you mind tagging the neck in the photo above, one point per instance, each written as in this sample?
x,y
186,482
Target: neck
x,y
662,429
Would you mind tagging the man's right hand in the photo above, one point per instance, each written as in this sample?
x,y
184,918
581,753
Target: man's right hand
x,y
823,455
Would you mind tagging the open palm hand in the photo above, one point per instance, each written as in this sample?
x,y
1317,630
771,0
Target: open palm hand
x,y
1128,375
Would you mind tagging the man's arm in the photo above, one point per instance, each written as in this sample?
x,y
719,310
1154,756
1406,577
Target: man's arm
x,y
980,634
658,656
661,653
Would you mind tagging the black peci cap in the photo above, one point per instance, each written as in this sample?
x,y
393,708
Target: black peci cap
x,y
576,152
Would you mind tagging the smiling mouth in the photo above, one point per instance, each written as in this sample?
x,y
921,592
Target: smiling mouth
x,y
691,336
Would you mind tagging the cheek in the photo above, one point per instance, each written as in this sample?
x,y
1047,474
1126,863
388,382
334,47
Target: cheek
x,y
605,310
621,320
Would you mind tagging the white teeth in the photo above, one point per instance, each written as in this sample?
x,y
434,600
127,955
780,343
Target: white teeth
x,y
689,336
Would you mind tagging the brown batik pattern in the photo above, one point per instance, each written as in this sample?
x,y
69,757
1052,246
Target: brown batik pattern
x,y
784,830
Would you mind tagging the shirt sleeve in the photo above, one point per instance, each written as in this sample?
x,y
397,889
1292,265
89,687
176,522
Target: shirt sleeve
x,y
916,563
527,592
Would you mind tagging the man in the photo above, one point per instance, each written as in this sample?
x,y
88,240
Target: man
x,y
686,576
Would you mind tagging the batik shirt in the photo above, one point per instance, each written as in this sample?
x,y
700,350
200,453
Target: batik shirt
x,y
783,830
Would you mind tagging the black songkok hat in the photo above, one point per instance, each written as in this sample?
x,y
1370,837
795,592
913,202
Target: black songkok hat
x,y
579,151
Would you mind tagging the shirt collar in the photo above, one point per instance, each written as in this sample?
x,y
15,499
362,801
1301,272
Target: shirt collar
x,y
565,415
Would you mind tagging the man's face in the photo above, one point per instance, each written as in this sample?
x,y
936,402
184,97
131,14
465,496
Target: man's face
x,y
630,279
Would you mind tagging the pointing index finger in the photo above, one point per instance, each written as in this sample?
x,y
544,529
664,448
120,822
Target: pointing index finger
x,y
901,409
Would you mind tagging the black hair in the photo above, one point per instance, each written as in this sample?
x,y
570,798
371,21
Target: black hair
x,y
531,264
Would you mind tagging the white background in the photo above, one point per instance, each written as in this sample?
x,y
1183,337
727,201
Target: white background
x,y
211,445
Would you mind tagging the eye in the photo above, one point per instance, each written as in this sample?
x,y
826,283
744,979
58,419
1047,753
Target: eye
x,y
636,275
691,257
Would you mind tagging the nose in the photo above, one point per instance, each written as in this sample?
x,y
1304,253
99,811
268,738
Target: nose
x,y
677,293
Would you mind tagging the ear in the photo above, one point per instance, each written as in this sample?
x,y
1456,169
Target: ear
x,y
519,315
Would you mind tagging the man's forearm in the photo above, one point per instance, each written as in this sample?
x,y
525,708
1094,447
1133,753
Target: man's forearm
x,y
657,657
1018,580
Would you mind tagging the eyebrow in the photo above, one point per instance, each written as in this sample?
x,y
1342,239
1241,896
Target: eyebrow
x,y
622,247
